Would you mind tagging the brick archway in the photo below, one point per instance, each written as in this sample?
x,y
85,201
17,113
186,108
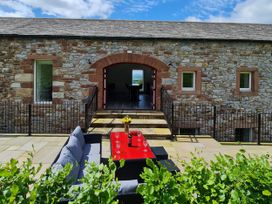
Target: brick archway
x,y
120,58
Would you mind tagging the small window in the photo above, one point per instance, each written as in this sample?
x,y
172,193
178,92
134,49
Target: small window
x,y
43,81
188,131
245,81
188,81
243,134
138,78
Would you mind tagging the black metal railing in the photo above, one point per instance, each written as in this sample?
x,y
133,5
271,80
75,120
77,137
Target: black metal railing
x,y
45,117
91,106
40,118
225,124
167,107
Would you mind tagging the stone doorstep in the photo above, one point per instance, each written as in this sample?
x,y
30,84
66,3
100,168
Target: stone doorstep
x,y
156,133
134,121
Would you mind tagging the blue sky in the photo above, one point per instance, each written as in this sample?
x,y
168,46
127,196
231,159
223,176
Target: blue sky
x,y
248,11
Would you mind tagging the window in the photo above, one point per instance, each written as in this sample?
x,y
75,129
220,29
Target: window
x,y
43,81
188,81
138,78
189,131
243,134
245,81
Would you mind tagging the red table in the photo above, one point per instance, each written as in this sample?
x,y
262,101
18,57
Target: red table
x,y
138,150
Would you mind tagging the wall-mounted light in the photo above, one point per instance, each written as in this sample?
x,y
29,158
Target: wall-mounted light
x,y
89,61
129,51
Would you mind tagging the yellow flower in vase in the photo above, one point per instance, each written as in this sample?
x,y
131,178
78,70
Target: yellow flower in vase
x,y
126,120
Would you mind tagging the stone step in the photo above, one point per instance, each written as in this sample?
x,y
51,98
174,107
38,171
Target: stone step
x,y
136,123
194,136
132,114
149,133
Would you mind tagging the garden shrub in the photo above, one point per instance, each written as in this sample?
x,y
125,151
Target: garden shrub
x,y
160,185
98,184
226,179
19,183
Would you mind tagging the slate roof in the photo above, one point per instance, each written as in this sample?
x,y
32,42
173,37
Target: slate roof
x,y
133,29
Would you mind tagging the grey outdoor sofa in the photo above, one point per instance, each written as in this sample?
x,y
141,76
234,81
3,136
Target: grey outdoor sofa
x,y
81,147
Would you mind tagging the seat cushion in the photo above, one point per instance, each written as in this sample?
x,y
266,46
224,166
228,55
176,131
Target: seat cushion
x,y
78,133
127,186
88,158
66,157
93,148
75,147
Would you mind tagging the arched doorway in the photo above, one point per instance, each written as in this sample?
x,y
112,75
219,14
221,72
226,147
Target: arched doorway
x,y
129,86
99,72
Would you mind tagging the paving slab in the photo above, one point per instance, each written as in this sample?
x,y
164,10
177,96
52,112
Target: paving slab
x,y
45,149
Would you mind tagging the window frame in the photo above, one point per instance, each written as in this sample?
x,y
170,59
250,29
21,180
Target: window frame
x,y
254,85
35,82
193,88
250,82
198,77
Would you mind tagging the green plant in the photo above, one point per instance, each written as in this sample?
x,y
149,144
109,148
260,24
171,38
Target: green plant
x,y
160,185
98,184
19,183
242,179
16,180
52,186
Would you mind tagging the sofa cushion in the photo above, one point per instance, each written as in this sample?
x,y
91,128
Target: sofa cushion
x,y
75,147
93,148
67,157
78,133
127,186
89,158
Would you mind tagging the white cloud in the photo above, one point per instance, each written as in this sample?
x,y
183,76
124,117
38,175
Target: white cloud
x,y
59,8
248,11
136,6
74,8
13,8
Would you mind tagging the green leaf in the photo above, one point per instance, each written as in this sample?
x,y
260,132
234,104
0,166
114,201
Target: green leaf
x,y
266,193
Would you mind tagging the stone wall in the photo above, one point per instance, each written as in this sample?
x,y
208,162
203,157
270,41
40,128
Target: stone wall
x,y
74,70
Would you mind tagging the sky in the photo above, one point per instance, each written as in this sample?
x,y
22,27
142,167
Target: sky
x,y
242,11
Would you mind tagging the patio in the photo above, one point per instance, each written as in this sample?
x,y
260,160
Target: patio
x,y
47,148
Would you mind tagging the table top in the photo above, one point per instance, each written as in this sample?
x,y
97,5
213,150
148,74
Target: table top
x,y
138,150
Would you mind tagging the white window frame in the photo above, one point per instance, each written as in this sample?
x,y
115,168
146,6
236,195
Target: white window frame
x,y
194,82
35,85
250,82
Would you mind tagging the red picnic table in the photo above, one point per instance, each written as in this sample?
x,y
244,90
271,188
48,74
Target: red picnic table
x,y
139,148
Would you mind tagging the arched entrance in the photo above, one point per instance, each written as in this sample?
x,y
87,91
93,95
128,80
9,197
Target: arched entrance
x,y
101,66
129,86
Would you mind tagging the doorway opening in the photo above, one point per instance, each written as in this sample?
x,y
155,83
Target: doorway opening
x,y
129,86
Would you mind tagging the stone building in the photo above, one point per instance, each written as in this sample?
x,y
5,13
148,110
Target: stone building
x,y
59,60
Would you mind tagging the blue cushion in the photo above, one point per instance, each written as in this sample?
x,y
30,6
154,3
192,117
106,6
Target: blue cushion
x,y
90,149
67,157
89,158
128,186
78,133
75,147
